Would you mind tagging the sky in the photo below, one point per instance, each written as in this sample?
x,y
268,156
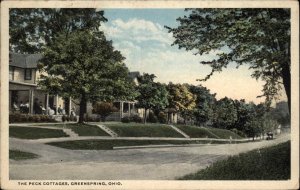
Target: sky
x,y
141,37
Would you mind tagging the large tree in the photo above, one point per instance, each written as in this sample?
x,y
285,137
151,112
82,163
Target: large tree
x,y
85,66
32,28
203,111
181,100
152,95
257,37
225,114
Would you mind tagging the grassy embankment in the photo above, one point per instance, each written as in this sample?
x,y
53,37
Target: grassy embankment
x,y
272,163
80,129
20,155
35,133
143,130
207,132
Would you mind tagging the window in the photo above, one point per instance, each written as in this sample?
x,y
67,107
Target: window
x,y
11,73
27,74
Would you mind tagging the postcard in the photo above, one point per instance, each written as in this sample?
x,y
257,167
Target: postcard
x,y
149,94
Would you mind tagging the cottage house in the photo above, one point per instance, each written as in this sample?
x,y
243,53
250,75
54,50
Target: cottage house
x,y
24,91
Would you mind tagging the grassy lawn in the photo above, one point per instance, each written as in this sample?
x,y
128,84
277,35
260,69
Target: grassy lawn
x,y
82,129
196,132
109,144
20,155
272,163
35,133
223,133
203,132
142,130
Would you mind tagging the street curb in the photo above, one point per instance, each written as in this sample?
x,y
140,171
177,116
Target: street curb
x,y
160,146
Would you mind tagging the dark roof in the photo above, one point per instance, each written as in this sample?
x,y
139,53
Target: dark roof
x,y
134,74
24,60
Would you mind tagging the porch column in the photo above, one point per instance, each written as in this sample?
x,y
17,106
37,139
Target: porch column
x,y
171,118
31,94
70,106
121,109
129,112
47,102
56,109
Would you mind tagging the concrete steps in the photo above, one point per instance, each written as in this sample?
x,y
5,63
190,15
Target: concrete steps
x,y
70,132
179,131
108,130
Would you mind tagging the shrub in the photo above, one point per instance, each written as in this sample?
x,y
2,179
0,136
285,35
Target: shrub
x,y
125,119
136,119
30,118
152,118
43,118
17,117
23,118
162,117
104,109
36,118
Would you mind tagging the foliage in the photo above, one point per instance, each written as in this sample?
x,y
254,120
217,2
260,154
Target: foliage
x,y
272,163
246,118
181,99
125,119
225,114
258,37
280,114
31,29
68,118
104,109
203,111
152,118
84,65
152,95
162,117
133,118
21,118
136,119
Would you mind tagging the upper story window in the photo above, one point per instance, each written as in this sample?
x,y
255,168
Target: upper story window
x,y
11,73
28,74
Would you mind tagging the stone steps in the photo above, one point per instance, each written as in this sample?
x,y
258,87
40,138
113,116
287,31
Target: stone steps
x,y
70,132
108,130
179,131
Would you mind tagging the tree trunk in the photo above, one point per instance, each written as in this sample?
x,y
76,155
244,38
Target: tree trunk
x,y
145,116
286,77
82,109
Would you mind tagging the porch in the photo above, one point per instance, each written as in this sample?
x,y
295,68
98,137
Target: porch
x,y
29,99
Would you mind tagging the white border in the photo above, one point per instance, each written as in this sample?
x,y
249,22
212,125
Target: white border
x,y
150,184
